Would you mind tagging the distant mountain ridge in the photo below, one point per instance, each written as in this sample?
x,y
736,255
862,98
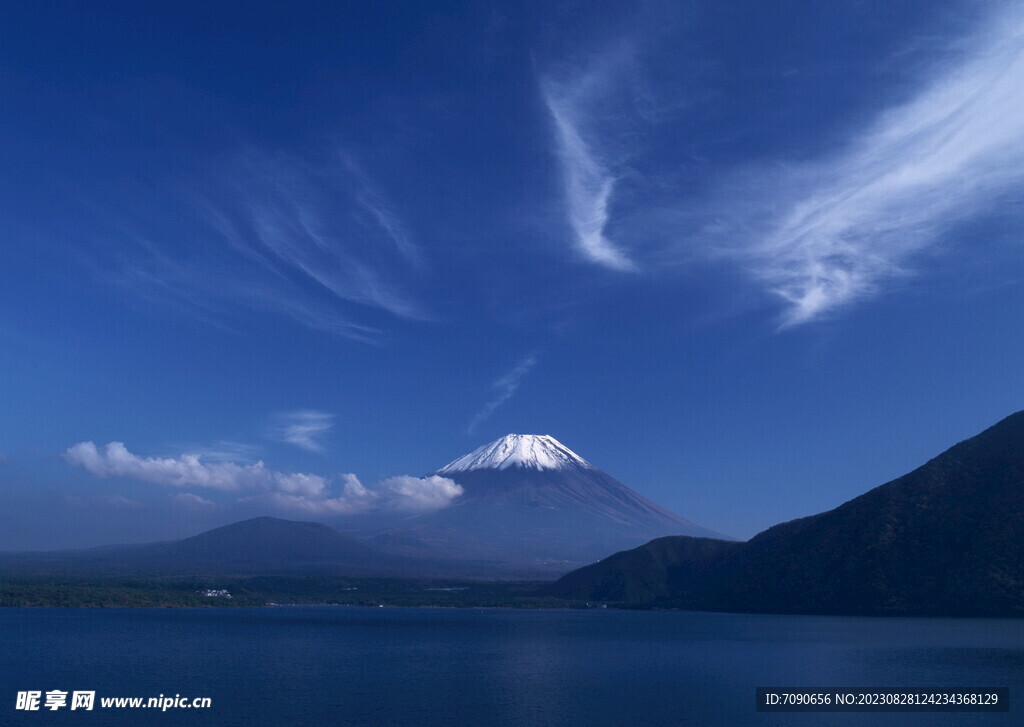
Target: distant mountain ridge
x,y
945,539
257,545
531,501
267,542
531,508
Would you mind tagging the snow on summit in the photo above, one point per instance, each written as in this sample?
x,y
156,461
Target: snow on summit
x,y
527,451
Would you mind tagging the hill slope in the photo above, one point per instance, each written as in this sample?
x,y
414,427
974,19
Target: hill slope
x,y
258,545
947,538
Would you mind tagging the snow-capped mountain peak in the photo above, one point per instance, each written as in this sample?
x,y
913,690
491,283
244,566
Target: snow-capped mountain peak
x,y
526,451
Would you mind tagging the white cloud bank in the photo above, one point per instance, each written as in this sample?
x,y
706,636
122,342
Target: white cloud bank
x,y
285,490
850,222
188,470
397,494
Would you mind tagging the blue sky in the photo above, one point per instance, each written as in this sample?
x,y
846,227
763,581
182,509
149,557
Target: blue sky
x,y
751,259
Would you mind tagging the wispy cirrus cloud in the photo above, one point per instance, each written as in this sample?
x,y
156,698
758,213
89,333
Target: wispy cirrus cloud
x,y
820,234
118,502
381,211
288,491
303,428
318,243
832,232
218,293
504,387
588,184
191,501
289,217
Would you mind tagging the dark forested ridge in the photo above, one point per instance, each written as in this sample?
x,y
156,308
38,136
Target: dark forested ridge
x,y
659,571
947,538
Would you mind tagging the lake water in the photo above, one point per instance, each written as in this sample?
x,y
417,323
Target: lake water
x,y
424,667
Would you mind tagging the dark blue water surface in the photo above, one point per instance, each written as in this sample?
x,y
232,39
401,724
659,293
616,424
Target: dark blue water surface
x,y
389,666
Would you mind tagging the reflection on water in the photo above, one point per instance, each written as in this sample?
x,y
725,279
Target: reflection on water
x,y
364,666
